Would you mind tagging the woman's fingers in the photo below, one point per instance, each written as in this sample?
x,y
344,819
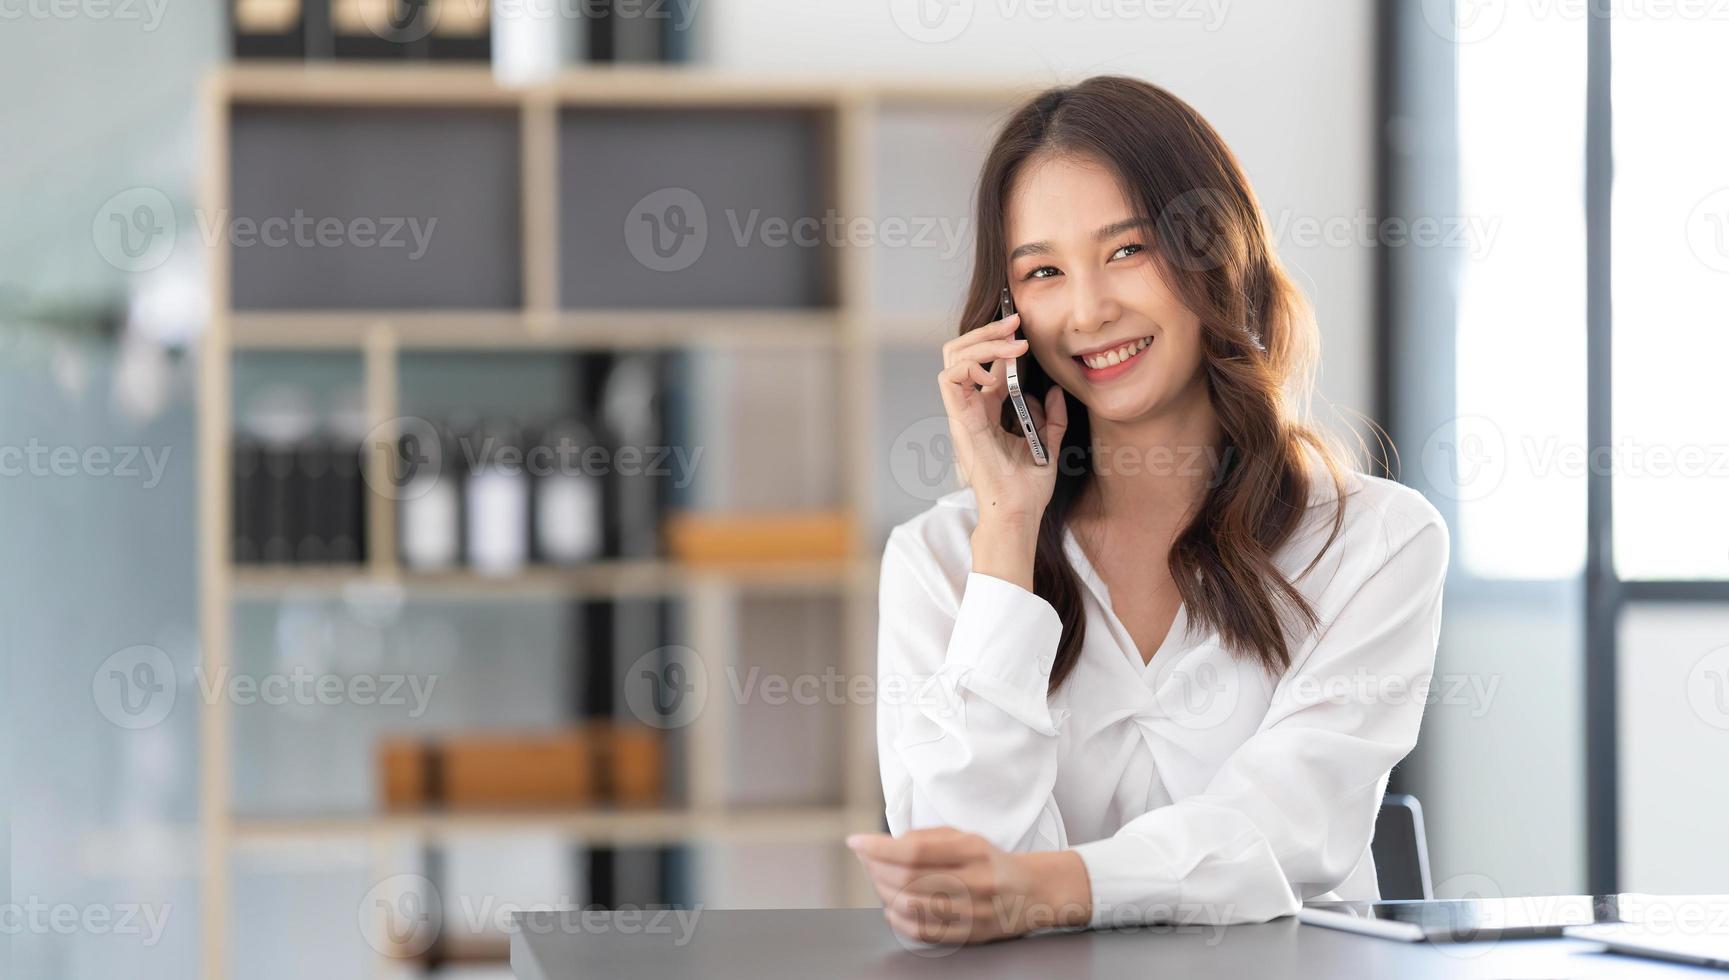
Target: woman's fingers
x,y
995,330
926,847
1056,420
962,374
989,350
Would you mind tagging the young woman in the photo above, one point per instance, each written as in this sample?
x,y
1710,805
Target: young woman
x,y
1165,677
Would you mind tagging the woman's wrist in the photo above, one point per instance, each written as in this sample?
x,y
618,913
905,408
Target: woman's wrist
x,y
1004,548
1061,893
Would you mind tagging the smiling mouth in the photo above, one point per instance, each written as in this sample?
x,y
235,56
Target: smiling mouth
x,y
1115,355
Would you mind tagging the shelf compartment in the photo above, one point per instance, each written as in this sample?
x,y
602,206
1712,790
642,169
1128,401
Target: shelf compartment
x,y
595,580
439,190
495,330
768,824
696,208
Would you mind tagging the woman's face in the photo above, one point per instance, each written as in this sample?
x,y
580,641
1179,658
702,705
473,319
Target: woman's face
x,y
1094,309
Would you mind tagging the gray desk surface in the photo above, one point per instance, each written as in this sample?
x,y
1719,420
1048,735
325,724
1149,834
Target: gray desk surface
x,y
715,944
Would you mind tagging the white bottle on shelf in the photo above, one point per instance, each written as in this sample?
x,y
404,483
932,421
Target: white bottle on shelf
x,y
497,492
568,512
430,510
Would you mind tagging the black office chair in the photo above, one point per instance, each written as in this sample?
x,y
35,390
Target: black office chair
x,y
1400,849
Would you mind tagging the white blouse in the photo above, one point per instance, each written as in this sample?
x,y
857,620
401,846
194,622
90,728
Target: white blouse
x,y
1193,786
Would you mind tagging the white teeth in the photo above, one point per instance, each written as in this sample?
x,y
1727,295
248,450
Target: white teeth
x,y
1116,355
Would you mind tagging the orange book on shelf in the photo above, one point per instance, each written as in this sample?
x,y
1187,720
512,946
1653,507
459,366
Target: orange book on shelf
x,y
489,770
518,770
632,761
700,537
402,773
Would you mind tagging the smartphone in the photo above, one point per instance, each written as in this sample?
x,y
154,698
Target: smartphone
x,y
1014,382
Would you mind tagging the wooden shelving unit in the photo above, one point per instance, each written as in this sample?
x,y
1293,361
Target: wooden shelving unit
x,y
850,327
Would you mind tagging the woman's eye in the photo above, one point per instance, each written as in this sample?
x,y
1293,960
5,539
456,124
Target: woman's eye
x,y
1130,248
1042,272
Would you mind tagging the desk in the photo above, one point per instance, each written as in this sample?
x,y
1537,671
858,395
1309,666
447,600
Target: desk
x,y
715,944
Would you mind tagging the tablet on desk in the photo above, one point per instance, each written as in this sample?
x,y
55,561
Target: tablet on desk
x,y
1661,942
1462,920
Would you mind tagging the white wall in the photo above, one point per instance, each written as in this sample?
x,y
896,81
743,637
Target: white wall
x,y
1290,90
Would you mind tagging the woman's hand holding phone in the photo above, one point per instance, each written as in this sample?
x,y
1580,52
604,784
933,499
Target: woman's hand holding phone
x,y
1012,489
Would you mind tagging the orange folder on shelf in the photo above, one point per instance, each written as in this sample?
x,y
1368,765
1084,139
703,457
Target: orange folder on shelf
x,y
614,763
632,764
486,771
704,538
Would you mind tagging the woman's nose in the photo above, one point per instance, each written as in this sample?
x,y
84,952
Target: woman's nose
x,y
1092,304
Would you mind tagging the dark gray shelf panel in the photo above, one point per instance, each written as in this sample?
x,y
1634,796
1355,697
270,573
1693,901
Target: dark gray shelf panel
x,y
454,172
628,179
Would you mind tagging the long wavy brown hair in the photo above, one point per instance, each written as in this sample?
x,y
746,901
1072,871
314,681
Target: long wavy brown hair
x,y
1212,247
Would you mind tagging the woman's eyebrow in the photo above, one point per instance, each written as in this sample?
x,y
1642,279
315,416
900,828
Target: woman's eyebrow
x,y
1108,231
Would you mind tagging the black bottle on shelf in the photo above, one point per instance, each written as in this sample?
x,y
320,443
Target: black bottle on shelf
x,y
311,500
461,31
631,406
268,28
278,528
245,509
379,29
